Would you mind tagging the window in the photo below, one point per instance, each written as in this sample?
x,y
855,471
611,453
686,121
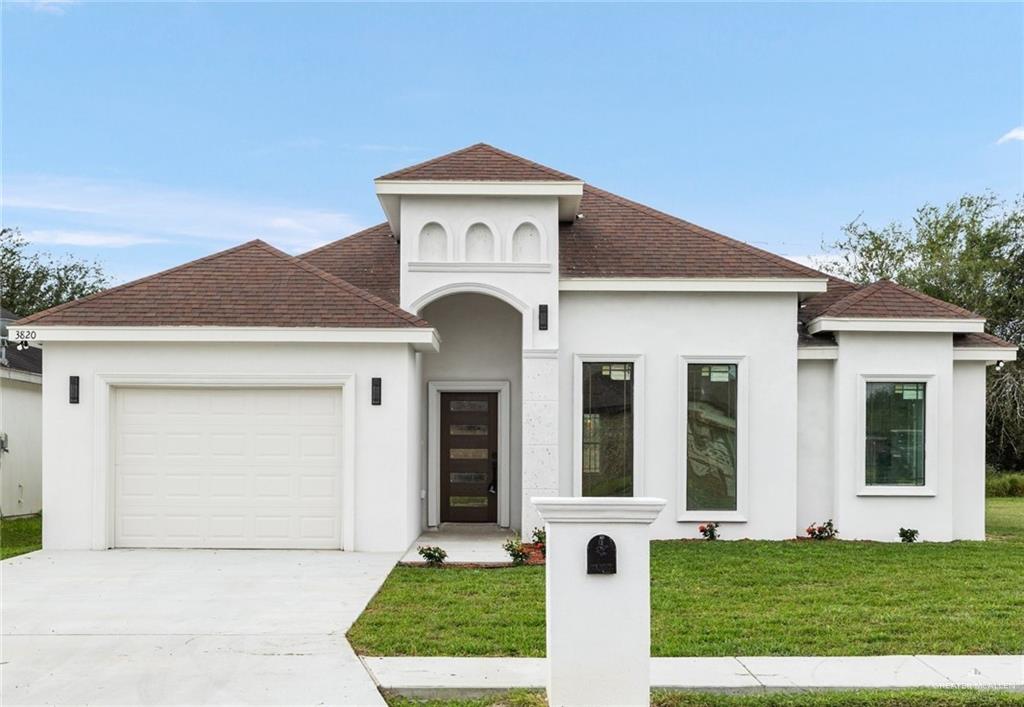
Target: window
x,y
712,399
894,434
607,412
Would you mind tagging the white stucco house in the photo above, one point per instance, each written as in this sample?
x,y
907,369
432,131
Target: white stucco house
x,y
508,332
21,423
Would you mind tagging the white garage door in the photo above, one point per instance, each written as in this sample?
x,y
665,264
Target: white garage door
x,y
228,467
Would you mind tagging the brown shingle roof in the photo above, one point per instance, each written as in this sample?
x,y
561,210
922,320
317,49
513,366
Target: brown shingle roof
x,y
480,163
368,259
253,284
620,238
980,339
885,298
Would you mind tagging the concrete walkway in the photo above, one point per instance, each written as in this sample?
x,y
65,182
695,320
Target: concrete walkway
x,y
196,627
465,543
446,677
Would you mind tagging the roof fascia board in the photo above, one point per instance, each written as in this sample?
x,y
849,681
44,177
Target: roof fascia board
x,y
390,192
422,338
691,284
16,374
897,324
990,355
402,187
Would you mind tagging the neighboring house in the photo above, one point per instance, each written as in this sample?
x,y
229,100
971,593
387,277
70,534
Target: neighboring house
x,y
509,332
21,446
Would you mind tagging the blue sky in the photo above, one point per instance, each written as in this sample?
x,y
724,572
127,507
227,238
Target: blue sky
x,y
145,135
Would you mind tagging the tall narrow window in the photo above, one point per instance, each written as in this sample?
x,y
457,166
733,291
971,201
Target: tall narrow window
x,y
711,439
894,443
607,429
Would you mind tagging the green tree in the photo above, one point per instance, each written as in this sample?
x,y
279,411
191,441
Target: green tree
x,y
32,282
971,253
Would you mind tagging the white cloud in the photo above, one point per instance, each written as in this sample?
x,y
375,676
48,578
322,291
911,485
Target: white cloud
x,y
50,7
113,213
1015,134
88,238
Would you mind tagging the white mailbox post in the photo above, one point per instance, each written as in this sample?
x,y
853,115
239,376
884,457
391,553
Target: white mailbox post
x,y
598,599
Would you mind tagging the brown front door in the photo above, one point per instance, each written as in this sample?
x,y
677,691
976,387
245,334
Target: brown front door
x,y
469,457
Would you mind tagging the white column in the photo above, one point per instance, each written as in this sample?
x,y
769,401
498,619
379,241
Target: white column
x,y
540,432
598,625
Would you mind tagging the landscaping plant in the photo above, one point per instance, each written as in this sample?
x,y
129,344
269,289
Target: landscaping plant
x,y
432,554
709,531
908,535
825,531
540,540
514,547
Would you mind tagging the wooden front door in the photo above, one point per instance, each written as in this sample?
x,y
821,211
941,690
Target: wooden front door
x,y
469,457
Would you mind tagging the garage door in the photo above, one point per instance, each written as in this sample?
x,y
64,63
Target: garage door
x,y
227,467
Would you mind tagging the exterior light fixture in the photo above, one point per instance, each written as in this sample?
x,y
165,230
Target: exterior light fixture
x,y
375,391
542,317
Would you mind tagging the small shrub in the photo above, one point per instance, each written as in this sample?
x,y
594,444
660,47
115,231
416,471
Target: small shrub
x,y
825,531
432,554
540,540
908,535
709,531
514,547
1002,484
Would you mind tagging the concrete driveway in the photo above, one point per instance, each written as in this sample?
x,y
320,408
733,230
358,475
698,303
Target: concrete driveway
x,y
148,627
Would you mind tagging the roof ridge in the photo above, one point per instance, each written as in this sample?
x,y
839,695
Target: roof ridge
x,y
523,160
346,286
841,305
476,146
126,285
700,230
932,300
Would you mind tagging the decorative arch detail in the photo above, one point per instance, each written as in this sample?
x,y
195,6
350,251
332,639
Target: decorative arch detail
x,y
526,243
433,243
480,244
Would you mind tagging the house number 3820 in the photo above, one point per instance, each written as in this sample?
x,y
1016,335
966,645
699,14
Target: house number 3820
x,y
25,334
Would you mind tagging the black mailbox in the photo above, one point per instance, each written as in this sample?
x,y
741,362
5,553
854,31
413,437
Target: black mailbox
x,y
601,555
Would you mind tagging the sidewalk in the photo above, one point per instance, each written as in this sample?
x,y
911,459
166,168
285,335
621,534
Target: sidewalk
x,y
468,677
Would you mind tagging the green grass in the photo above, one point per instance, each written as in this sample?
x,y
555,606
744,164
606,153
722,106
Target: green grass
x,y
20,535
741,598
853,698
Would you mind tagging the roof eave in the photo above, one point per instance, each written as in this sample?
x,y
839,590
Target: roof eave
x,y
390,192
989,354
420,338
799,285
897,324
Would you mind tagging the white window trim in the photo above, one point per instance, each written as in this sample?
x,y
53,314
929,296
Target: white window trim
x,y
740,515
434,390
639,483
931,435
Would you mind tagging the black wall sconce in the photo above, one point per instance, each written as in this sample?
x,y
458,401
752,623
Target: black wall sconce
x,y
73,390
375,391
542,317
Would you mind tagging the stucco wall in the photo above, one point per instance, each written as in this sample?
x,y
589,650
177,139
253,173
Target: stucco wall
x,y
664,326
20,468
815,450
903,356
383,518
969,450
480,341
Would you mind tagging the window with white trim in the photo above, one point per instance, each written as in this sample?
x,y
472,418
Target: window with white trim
x,y
608,425
894,439
712,426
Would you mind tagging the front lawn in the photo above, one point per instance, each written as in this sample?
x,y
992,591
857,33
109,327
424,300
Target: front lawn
x,y
20,535
852,698
741,598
